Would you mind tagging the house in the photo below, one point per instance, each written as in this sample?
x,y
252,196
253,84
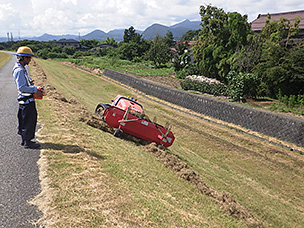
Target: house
x,y
71,43
259,22
68,43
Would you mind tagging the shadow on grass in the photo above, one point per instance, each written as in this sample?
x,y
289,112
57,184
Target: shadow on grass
x,y
131,138
70,149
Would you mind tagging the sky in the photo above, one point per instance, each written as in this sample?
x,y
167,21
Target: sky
x,y
29,18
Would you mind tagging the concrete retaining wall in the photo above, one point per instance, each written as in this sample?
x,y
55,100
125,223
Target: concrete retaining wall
x,y
275,125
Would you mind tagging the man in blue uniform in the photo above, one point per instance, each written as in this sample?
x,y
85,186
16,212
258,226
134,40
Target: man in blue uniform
x,y
27,113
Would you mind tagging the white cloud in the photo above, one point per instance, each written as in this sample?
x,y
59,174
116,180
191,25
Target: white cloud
x,y
52,20
9,18
35,17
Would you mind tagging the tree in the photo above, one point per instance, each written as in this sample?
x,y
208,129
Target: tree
x,y
133,46
190,35
169,39
110,41
89,43
280,67
247,56
159,52
128,51
130,35
220,36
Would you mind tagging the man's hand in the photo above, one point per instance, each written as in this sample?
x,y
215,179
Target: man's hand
x,y
40,93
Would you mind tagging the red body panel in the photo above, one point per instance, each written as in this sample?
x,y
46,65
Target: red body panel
x,y
139,127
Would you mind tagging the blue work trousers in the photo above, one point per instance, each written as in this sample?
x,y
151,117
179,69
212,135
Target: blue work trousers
x,y
27,119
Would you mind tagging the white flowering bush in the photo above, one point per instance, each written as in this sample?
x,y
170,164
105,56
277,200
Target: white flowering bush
x,y
204,85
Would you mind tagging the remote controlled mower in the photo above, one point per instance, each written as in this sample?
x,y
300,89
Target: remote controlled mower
x,y
125,114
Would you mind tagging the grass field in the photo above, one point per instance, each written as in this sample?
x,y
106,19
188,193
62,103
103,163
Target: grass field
x,y
92,179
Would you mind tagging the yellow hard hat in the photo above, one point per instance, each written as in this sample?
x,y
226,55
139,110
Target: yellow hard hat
x,y
25,51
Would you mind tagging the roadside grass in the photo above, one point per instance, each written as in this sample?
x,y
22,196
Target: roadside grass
x,y
99,180
4,58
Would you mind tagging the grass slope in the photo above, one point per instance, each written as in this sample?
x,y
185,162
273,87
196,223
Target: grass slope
x,y
4,58
97,180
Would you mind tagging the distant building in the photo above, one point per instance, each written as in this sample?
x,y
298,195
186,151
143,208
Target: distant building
x,y
102,46
71,43
259,23
68,43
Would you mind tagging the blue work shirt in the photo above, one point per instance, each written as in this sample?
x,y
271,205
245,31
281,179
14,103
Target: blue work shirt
x,y
24,83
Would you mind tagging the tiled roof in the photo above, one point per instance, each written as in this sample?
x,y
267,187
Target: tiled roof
x,y
259,23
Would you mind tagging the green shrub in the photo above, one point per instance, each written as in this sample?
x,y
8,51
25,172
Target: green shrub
x,y
241,86
43,53
300,100
292,100
180,74
69,50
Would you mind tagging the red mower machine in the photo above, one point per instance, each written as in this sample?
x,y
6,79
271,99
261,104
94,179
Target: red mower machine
x,y
126,115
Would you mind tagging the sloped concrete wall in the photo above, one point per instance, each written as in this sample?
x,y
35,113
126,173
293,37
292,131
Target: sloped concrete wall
x,y
271,124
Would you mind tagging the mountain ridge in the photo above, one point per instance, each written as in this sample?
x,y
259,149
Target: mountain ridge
x,y
178,30
149,33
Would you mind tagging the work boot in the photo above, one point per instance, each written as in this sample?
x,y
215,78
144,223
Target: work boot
x,y
22,142
31,145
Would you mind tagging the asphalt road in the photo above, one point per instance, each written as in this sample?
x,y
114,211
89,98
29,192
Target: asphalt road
x,y
19,182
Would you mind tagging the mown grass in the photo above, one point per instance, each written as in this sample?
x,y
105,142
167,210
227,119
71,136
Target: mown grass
x,y
4,58
100,180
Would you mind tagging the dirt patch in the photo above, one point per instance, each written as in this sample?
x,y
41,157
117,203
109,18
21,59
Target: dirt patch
x,y
224,199
259,102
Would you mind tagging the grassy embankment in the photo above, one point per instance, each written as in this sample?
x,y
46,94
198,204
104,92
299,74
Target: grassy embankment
x,y
292,105
4,57
93,179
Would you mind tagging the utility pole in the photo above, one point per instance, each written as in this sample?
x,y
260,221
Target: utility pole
x,y
7,36
12,37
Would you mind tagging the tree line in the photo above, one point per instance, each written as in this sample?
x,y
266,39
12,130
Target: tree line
x,y
248,64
